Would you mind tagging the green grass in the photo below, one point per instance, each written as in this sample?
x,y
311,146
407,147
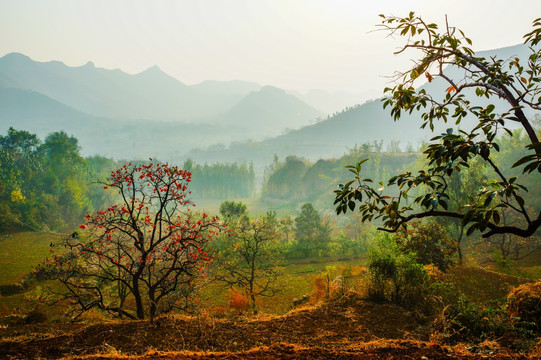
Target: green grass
x,y
296,280
21,252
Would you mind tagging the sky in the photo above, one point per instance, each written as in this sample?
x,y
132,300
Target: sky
x,y
292,44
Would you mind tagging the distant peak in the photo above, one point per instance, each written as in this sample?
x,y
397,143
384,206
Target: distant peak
x,y
153,69
89,64
271,90
15,56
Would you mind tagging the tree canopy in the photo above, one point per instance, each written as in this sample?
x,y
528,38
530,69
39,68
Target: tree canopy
x,y
513,92
147,247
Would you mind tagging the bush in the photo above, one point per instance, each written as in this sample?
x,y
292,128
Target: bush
x,y
430,243
238,301
396,276
524,302
466,321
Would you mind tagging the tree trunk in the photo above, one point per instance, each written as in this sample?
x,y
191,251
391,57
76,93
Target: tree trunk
x,y
459,247
153,307
254,306
140,311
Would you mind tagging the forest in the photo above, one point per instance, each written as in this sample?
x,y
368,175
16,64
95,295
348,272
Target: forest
x,y
387,250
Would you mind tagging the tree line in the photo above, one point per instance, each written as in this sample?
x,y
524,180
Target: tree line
x,y
222,180
48,185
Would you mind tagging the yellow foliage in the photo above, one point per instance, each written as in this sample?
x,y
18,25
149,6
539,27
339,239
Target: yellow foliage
x,y
17,196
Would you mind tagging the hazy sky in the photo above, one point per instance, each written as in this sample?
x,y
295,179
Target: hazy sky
x,y
292,44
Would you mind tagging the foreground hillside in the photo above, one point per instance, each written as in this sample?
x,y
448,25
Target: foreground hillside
x,y
348,328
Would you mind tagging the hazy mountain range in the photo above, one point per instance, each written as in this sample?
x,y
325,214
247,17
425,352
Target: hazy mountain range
x,y
119,115
360,124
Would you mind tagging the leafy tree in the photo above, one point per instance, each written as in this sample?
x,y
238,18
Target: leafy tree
x,y
312,234
65,178
462,187
248,257
147,247
286,225
512,82
232,209
20,164
429,242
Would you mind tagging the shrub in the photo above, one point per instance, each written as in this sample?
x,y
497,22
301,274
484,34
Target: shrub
x,y
238,301
429,241
322,286
524,302
396,276
466,321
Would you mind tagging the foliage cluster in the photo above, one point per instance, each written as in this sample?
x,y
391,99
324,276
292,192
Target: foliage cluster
x,y
395,275
430,243
147,247
465,321
221,180
45,185
297,180
514,83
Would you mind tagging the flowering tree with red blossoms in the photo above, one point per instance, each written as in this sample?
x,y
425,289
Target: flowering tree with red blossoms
x,y
147,248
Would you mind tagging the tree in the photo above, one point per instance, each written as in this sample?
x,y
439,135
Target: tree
x,y
311,233
248,257
147,247
429,242
510,82
20,163
461,190
232,209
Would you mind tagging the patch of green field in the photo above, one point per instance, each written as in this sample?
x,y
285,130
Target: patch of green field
x,y
21,252
481,285
531,272
297,279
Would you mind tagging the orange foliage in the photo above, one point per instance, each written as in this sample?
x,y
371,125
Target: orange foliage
x,y
238,301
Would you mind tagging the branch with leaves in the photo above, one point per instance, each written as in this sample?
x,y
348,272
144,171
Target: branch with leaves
x,y
449,153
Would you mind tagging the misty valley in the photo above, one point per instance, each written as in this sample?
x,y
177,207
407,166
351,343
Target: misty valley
x,y
144,218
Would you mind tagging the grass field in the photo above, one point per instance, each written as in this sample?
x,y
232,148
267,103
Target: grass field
x,y
21,252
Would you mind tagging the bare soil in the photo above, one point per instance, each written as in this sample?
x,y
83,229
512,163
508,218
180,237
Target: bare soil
x,y
347,329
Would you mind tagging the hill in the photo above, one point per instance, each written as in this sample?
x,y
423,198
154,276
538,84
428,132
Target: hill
x,y
43,97
355,125
268,112
119,139
151,94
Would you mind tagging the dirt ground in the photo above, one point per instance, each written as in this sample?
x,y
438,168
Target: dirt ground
x,y
349,329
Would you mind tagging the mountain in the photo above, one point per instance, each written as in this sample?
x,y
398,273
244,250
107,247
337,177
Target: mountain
x,y
354,126
329,103
120,139
151,94
268,112
233,87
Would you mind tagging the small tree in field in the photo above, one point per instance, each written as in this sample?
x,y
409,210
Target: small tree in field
x,y
313,235
249,258
147,247
515,83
